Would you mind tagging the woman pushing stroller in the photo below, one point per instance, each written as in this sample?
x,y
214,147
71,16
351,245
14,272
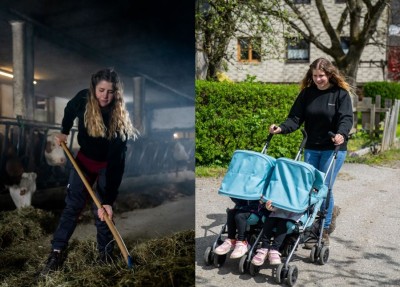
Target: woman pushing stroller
x,y
323,105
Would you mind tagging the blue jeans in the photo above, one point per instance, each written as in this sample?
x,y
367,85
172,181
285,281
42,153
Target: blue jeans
x,y
75,201
321,159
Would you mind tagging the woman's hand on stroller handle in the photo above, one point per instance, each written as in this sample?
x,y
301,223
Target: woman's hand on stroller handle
x,y
274,129
337,139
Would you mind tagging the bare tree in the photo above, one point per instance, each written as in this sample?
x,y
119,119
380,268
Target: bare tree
x,y
217,21
362,16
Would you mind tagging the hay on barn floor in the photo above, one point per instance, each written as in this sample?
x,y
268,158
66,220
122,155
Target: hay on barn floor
x,y
24,225
25,242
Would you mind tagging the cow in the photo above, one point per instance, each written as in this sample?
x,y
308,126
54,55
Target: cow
x,y
54,154
21,193
32,150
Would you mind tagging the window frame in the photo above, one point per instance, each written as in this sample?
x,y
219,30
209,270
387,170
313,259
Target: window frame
x,y
301,1
250,58
288,44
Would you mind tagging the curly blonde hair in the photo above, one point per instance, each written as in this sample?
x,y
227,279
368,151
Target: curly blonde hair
x,y
335,76
120,123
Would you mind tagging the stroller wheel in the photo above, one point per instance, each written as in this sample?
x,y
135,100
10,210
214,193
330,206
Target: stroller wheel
x,y
280,273
313,254
323,255
219,260
208,256
243,264
253,269
293,273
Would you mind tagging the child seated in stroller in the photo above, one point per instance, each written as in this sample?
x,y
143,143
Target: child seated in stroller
x,y
275,226
237,225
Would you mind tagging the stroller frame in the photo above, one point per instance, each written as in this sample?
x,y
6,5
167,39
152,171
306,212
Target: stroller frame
x,y
319,252
252,228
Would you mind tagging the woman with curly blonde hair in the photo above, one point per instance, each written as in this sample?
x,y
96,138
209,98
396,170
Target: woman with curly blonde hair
x,y
104,127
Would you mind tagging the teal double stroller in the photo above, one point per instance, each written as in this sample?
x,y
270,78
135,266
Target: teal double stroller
x,y
291,185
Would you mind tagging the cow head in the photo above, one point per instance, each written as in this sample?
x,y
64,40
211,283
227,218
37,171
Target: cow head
x,y
54,153
21,193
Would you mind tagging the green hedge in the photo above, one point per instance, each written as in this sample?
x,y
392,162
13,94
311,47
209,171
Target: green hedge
x,y
231,116
387,90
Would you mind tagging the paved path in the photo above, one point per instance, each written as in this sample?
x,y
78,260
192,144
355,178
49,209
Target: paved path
x,y
365,248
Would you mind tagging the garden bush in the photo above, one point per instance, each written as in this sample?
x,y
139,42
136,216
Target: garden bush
x,y
232,116
387,90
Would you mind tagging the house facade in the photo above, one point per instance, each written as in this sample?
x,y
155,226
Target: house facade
x,y
291,64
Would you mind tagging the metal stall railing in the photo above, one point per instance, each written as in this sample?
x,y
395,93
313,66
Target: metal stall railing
x,y
27,141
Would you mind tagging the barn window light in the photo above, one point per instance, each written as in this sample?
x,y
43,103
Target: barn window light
x,y
5,74
9,75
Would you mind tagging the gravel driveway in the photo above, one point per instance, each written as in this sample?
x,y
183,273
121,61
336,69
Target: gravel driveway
x,y
364,249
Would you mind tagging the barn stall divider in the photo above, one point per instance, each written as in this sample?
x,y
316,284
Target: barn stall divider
x,y
32,143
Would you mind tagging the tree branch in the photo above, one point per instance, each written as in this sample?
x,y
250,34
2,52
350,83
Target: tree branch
x,y
342,20
371,19
333,35
368,4
310,37
300,16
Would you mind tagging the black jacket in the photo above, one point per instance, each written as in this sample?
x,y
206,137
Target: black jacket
x,y
321,111
97,148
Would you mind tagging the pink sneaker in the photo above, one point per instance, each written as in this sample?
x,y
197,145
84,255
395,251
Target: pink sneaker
x,y
259,258
225,247
274,257
241,248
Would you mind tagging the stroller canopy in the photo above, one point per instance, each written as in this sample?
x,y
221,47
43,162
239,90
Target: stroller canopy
x,y
292,183
248,175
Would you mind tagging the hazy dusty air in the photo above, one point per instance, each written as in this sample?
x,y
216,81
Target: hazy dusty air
x,y
151,46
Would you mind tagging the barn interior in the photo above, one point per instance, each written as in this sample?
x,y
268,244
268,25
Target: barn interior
x,y
151,46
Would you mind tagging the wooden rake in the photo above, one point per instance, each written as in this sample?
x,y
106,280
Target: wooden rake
x,y
109,222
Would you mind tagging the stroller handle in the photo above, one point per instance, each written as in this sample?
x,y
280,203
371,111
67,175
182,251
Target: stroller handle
x,y
337,147
267,141
303,142
302,145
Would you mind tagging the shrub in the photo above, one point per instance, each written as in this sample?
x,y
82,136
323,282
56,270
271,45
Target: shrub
x,y
231,116
387,90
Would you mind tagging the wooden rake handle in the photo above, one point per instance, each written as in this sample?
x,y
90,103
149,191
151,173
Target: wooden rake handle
x,y
109,222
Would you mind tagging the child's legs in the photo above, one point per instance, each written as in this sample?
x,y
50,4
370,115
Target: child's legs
x,y
268,227
241,224
280,233
231,224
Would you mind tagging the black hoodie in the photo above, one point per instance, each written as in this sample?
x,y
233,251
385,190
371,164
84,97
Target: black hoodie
x,y
321,111
97,148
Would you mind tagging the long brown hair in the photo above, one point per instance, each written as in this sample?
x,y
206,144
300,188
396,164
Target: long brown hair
x,y
333,73
120,123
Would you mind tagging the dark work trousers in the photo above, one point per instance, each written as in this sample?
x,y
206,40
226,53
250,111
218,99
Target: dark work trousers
x,y
237,220
274,226
76,199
